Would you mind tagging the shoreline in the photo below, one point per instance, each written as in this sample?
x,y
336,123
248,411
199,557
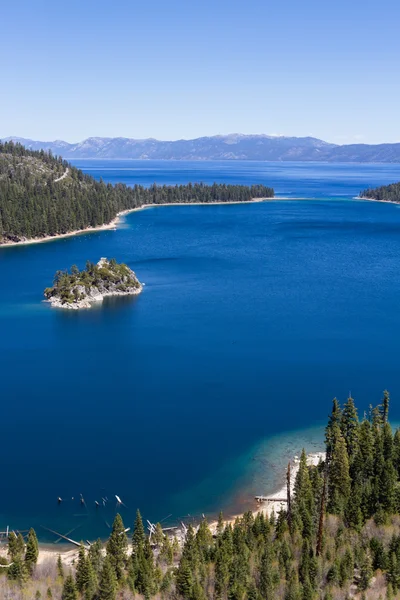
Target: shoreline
x,y
114,223
275,502
377,200
90,302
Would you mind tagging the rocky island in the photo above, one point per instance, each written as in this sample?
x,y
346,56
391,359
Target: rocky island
x,y
76,289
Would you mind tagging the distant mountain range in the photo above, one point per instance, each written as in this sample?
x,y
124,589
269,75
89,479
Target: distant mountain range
x,y
220,147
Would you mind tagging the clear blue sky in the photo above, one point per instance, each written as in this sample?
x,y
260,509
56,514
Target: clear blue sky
x,y
182,69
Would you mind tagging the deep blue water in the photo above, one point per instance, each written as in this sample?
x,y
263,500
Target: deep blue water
x,y
188,398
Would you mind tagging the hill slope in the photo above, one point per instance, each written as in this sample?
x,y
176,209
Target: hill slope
x,y
41,195
220,147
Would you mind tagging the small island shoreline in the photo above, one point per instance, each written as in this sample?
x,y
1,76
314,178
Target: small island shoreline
x,y
76,289
118,219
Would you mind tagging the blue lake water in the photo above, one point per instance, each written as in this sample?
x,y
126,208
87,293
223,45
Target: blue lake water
x,y
190,397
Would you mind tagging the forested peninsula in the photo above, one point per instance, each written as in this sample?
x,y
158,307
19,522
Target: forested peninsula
x,y
80,289
338,537
42,195
385,193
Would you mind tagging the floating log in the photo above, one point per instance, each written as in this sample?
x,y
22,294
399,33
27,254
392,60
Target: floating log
x,y
64,537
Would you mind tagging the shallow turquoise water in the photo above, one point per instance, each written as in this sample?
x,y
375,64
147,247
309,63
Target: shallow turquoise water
x,y
253,317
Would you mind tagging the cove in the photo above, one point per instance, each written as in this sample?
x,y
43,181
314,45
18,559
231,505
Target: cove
x,y
180,400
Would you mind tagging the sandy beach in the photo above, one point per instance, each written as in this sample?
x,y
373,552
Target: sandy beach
x,y
274,504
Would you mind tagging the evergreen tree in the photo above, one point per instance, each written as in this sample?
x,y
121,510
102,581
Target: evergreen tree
x,y
17,571
220,523
69,590
81,575
96,556
385,406
117,547
293,589
266,576
339,478
349,426
60,568
145,582
108,581
139,535
184,579
365,572
91,580
334,419
223,560
16,546
32,550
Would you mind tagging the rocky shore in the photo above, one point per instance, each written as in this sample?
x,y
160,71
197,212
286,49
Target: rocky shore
x,y
83,289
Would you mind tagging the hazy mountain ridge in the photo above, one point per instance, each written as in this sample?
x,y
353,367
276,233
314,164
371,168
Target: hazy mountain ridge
x,y
219,147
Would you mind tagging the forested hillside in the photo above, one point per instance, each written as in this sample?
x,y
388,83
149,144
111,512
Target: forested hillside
x,y
41,195
338,538
391,193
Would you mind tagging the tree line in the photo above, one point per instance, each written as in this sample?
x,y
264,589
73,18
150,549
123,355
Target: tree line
x,y
390,193
338,536
34,204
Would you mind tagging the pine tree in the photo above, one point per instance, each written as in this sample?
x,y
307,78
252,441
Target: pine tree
x,y
145,582
32,551
363,464
385,406
16,546
17,571
302,486
353,512
266,576
293,589
184,579
91,580
220,523
108,581
346,567
334,419
117,546
96,556
69,590
349,426
365,572
60,568
223,559
139,535
339,477
204,540
81,575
